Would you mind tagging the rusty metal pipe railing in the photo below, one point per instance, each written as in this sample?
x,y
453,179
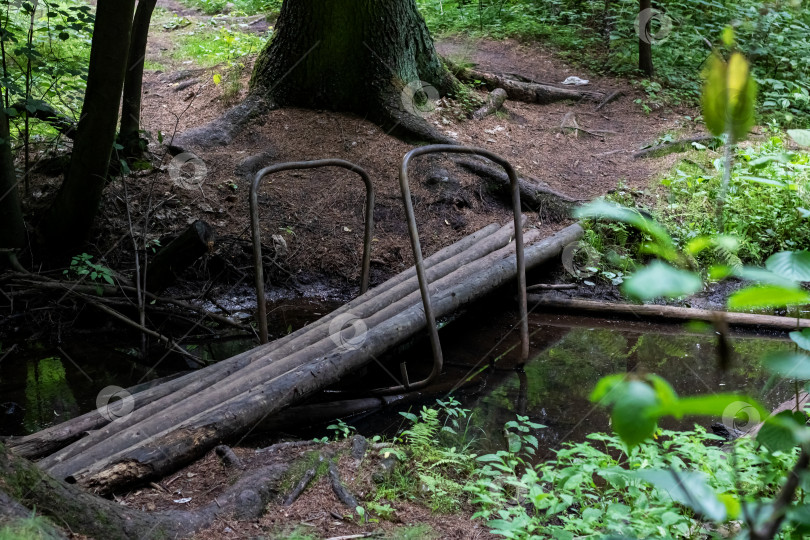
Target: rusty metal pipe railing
x,y
430,319
256,233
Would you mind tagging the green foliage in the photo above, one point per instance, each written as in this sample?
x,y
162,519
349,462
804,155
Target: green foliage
x,y
33,528
773,35
436,449
44,59
596,487
240,7
81,266
210,45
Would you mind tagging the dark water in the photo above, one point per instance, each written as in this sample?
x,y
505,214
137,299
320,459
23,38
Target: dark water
x,y
40,387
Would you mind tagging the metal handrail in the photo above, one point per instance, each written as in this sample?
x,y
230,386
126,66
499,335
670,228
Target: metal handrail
x,y
430,319
256,233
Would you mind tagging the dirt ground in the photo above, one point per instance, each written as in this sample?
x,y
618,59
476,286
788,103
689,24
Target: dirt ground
x,y
312,221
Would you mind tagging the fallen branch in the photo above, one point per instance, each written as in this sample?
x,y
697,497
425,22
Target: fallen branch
x,y
523,91
670,147
668,312
302,484
612,97
551,286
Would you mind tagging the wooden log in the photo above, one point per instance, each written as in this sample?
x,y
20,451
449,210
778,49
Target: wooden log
x,y
179,254
494,103
523,91
48,441
667,313
267,365
343,494
154,454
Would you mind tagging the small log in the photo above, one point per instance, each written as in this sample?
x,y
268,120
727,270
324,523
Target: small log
x,y
667,313
344,495
551,286
675,146
523,91
179,254
228,457
494,103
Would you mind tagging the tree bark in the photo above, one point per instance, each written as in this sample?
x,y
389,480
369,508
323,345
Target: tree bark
x,y
76,204
375,59
129,134
645,60
12,227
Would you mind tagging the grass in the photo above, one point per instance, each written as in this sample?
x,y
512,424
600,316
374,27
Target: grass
x,y
32,528
210,46
240,7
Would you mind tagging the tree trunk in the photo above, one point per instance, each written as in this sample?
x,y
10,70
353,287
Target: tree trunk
x,y
71,216
129,135
645,61
375,59
12,228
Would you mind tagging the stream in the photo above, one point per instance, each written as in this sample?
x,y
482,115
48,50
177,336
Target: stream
x,y
41,386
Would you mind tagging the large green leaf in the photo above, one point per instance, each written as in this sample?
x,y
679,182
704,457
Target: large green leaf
x,y
711,405
690,489
660,279
801,136
802,339
793,265
778,433
729,96
631,415
762,275
790,365
763,296
714,98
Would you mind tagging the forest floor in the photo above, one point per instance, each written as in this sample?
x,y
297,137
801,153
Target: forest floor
x,y
317,216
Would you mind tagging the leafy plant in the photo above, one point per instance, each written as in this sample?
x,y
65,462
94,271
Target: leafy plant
x,y
82,266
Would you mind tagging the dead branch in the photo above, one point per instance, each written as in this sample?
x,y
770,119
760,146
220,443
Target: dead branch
x,y
670,147
612,97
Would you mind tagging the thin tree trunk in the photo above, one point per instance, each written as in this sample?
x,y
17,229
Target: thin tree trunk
x,y
73,210
12,227
645,60
129,134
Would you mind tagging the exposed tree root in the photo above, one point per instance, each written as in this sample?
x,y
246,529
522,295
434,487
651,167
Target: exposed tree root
x,y
494,103
24,486
343,494
221,131
550,204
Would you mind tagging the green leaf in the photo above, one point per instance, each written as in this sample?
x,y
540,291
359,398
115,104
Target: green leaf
x,y
711,405
601,209
729,96
802,339
801,136
778,432
660,279
793,265
606,389
410,416
762,275
713,100
763,296
690,489
631,416
790,365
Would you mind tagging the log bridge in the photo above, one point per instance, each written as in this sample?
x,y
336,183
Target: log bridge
x,y
160,429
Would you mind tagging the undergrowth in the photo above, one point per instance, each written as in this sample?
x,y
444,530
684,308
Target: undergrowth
x,y
235,7
601,36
